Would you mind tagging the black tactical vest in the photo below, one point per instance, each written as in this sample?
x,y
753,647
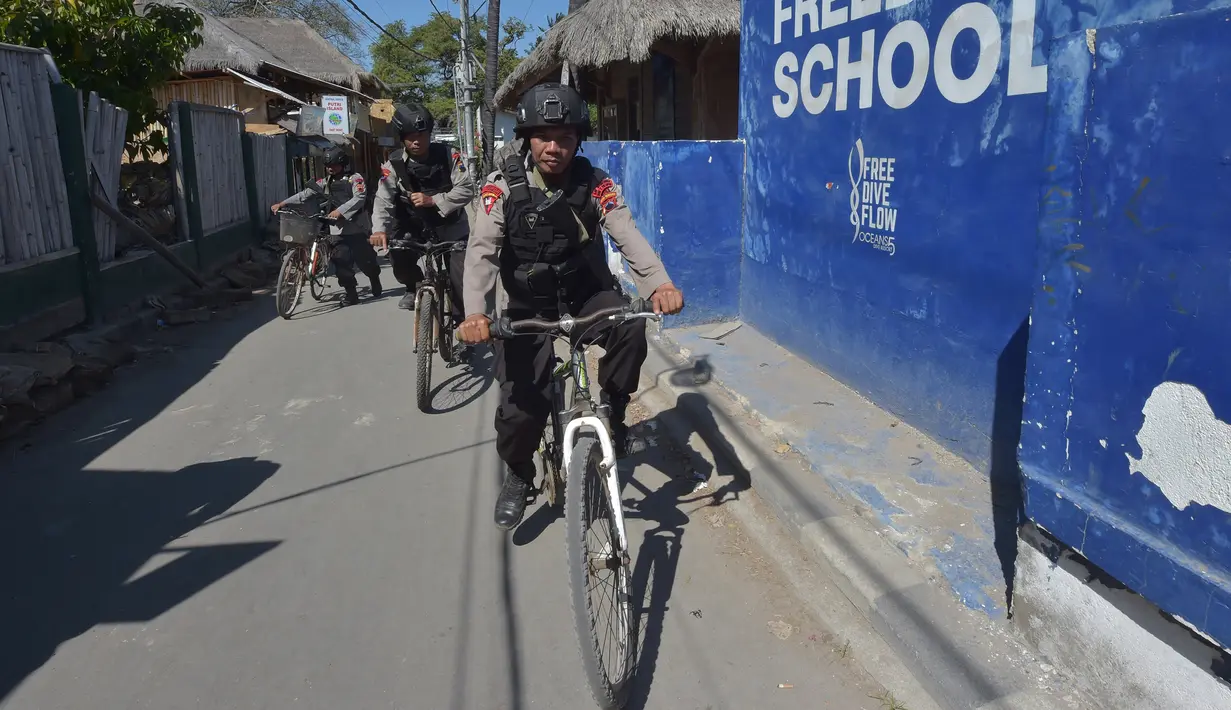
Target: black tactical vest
x,y
339,190
433,176
546,259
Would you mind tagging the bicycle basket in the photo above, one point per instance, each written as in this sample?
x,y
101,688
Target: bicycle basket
x,y
295,229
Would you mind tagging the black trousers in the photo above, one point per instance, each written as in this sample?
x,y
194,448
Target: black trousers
x,y
407,272
524,366
351,250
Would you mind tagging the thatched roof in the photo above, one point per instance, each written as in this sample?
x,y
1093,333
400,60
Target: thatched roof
x,y
247,44
603,32
221,47
299,47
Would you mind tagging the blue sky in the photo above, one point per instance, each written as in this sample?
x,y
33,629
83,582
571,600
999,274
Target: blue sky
x,y
415,12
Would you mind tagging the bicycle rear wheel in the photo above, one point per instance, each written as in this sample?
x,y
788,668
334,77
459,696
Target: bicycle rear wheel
x,y
600,578
290,282
425,321
318,271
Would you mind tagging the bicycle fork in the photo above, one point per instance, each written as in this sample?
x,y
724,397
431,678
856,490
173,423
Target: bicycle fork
x,y
611,477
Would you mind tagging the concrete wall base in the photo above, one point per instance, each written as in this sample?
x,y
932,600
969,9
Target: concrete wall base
x,y
1117,644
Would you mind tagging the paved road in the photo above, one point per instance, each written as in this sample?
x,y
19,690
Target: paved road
x,y
255,516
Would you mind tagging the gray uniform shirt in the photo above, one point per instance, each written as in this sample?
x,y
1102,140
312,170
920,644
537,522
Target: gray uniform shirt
x,y
383,214
354,217
483,250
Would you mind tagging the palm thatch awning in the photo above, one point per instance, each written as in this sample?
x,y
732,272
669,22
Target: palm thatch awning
x,y
607,31
248,44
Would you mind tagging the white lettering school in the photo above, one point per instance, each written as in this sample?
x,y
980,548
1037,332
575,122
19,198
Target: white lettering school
x,y
844,74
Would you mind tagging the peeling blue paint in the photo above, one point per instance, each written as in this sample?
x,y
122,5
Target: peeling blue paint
x,y
965,566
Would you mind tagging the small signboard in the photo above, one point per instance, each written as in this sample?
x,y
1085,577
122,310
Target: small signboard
x,y
337,118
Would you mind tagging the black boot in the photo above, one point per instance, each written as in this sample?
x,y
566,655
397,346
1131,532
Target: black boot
x,y
352,295
376,288
617,410
408,301
511,503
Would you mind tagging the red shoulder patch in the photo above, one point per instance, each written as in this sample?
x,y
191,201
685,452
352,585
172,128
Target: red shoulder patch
x,y
489,194
607,185
361,187
384,174
607,196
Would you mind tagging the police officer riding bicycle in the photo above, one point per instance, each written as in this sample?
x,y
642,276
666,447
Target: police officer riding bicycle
x,y
539,228
423,193
344,194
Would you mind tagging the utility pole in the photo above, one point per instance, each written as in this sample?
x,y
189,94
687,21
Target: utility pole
x,y
467,97
490,76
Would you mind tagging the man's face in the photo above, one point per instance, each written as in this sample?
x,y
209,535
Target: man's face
x,y
334,168
553,148
417,143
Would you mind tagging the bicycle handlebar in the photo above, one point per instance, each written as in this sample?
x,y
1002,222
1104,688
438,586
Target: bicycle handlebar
x,y
319,216
429,247
503,328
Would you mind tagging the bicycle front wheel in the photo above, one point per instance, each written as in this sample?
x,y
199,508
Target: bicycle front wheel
x,y
318,271
600,577
425,321
290,282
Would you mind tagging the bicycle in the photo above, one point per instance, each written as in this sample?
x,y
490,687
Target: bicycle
x,y
306,259
434,326
577,445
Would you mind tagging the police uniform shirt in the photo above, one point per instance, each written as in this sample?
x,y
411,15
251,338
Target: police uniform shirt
x,y
483,250
384,213
344,193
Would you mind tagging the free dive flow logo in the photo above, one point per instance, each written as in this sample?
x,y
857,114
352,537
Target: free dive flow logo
x,y
875,220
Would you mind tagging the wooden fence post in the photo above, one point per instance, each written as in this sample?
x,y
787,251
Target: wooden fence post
x,y
66,104
254,209
192,189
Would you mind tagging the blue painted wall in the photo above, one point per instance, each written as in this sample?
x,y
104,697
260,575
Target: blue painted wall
x,y
1135,293
896,162
915,312
687,197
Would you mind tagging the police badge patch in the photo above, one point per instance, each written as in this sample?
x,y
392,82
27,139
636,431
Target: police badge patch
x,y
489,194
606,195
384,174
360,187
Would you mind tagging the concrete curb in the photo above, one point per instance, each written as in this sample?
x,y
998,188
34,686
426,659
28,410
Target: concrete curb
x,y
912,635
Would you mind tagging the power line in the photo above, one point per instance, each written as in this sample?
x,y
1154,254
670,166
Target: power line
x,y
389,34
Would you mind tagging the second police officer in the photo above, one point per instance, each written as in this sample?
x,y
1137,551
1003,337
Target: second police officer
x,y
424,189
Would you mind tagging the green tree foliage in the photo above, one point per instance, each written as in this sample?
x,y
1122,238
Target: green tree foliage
x,y
325,16
426,74
108,47
551,22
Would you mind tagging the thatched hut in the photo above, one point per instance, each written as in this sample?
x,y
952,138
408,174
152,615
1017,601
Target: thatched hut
x,y
265,66
656,70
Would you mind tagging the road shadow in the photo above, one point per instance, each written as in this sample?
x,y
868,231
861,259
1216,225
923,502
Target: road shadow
x,y
84,542
77,538
692,487
468,382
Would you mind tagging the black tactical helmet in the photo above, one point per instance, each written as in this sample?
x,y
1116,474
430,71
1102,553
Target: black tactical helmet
x,y
548,105
337,155
411,118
